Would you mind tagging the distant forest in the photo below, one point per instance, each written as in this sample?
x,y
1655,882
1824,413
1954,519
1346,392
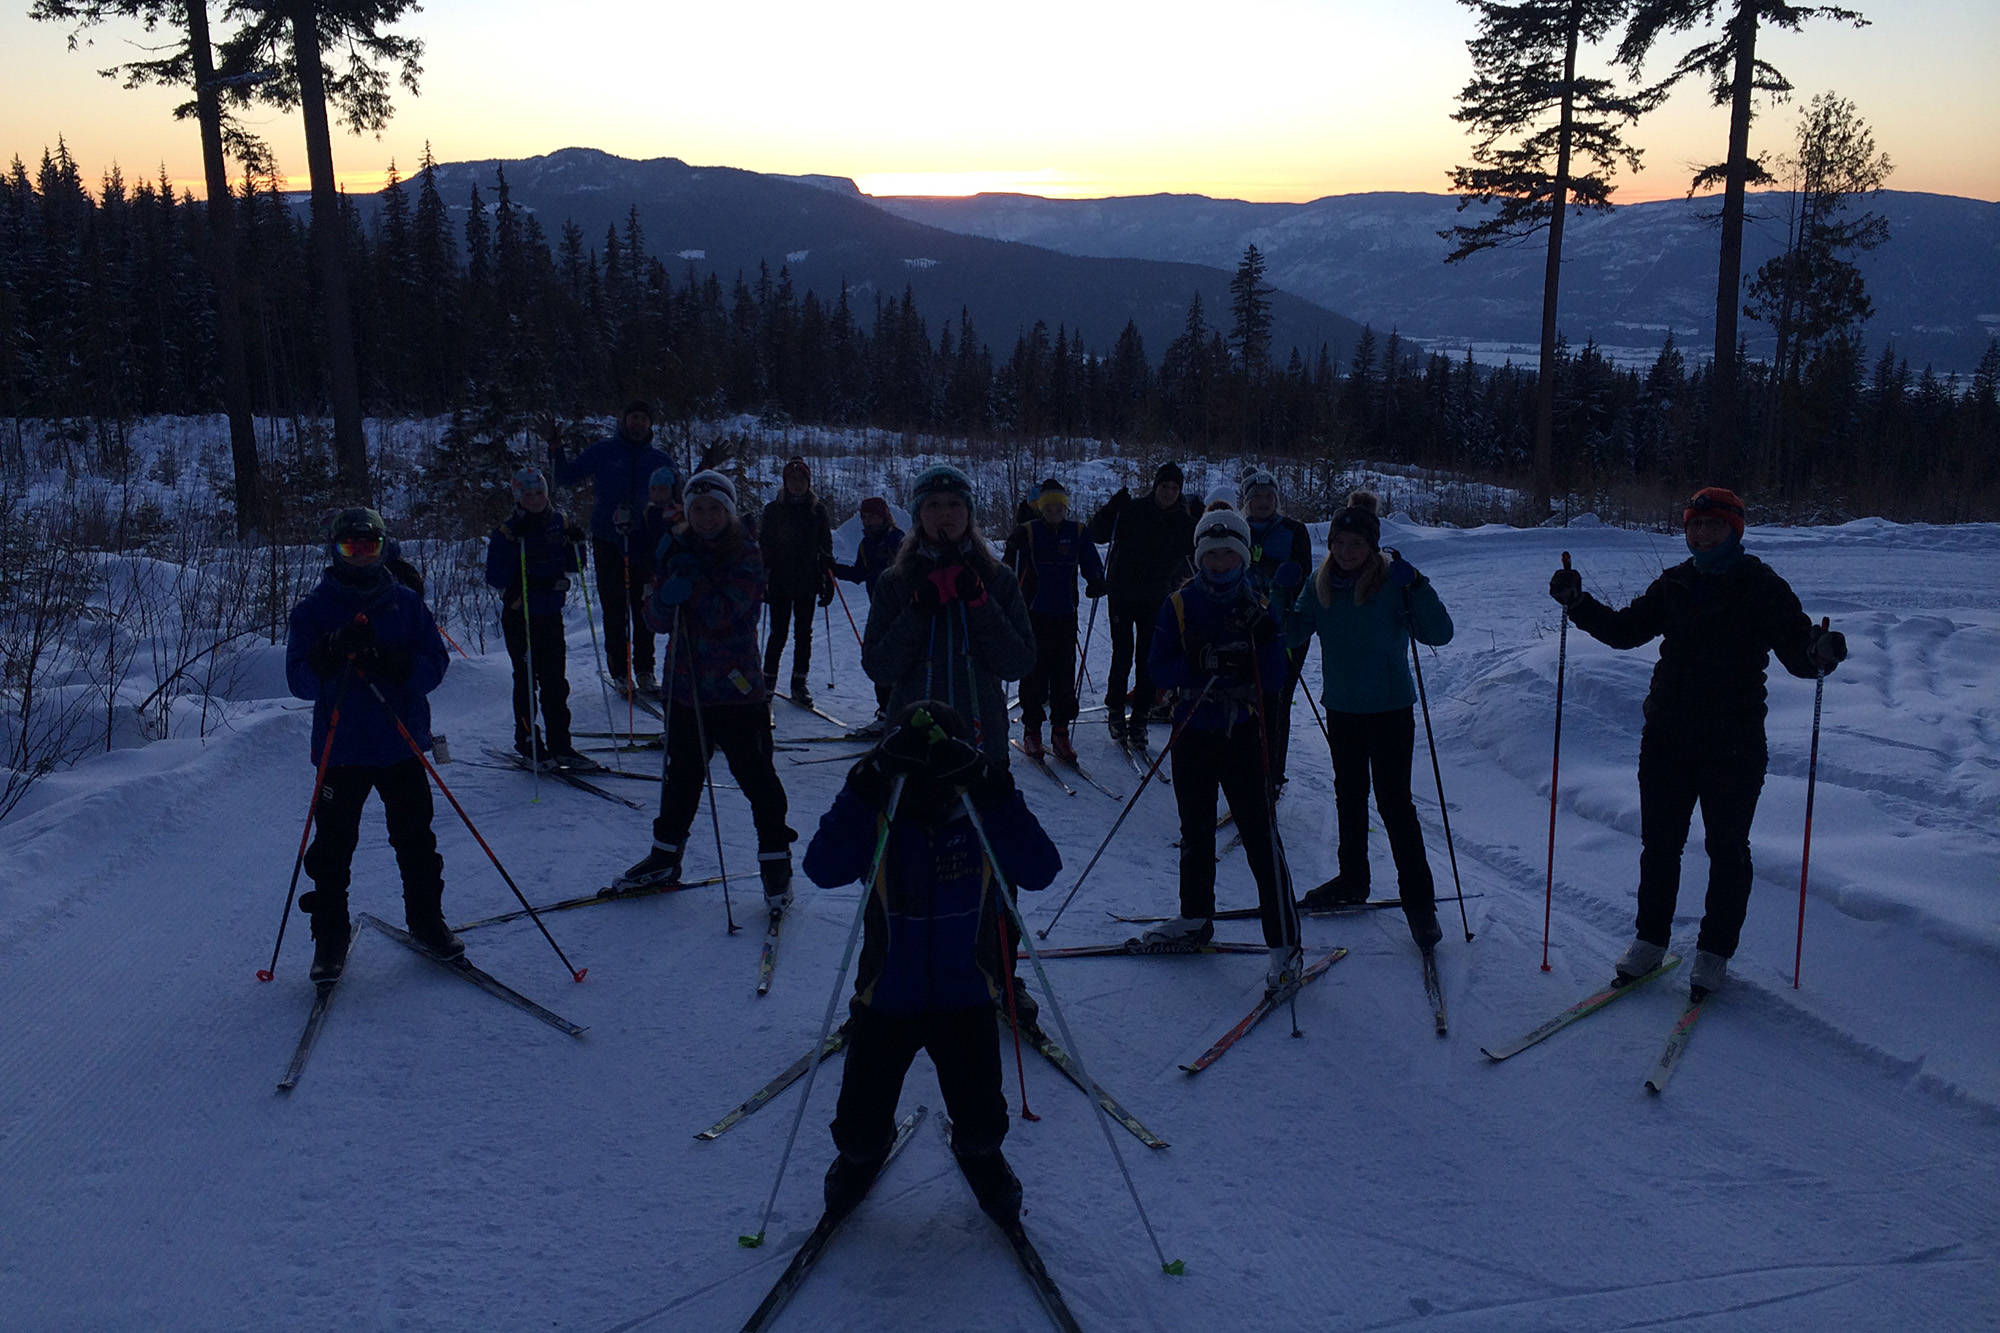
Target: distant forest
x,y
106,314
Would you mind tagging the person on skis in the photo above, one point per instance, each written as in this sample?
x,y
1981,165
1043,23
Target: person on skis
x,y
932,963
1280,554
1217,648
365,646
710,589
1149,541
529,560
881,539
798,555
1046,554
1365,605
659,518
947,620
1719,616
620,468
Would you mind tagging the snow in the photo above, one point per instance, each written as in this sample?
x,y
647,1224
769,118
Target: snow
x,y
1826,1157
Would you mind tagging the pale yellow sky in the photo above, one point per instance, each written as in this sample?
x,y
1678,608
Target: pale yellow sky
x,y
1269,100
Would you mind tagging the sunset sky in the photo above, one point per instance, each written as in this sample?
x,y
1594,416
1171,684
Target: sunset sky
x,y
1263,99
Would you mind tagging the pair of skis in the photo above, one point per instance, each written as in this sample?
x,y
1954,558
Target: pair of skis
x,y
1041,761
1264,1008
508,759
606,895
794,1275
460,966
1670,1055
1256,913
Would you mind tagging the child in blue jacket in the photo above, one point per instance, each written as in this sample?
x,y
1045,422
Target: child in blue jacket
x,y
364,645
529,559
933,959
1047,553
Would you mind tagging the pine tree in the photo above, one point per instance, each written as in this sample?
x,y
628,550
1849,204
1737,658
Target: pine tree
x,y
1250,315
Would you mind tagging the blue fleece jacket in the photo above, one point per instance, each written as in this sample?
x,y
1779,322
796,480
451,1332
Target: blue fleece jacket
x,y
551,560
621,470
367,734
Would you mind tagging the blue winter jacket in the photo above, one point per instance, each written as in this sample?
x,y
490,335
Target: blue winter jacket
x,y
621,471
1046,560
876,553
367,734
551,560
932,939
1365,650
1199,615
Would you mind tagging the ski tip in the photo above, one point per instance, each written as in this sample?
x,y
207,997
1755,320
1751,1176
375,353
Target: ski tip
x,y
265,974
579,974
1175,1268
751,1242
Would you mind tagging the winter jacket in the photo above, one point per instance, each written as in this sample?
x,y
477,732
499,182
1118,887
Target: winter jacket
x,y
716,649
1716,633
551,559
622,471
1150,546
960,654
367,734
1046,560
798,546
876,553
1276,542
1365,650
1197,616
931,940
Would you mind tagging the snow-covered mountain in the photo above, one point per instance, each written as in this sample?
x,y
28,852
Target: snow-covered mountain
x,y
1630,275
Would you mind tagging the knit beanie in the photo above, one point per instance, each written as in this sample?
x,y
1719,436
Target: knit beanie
x,y
798,466
1715,502
714,485
1052,491
1361,517
1259,479
1221,496
940,479
639,405
1222,530
664,476
876,507
1168,472
529,481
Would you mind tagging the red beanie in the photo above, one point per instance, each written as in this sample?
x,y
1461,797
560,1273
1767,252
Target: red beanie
x,y
1715,502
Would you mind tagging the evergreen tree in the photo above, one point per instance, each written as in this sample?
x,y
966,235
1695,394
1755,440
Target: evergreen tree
x,y
1250,315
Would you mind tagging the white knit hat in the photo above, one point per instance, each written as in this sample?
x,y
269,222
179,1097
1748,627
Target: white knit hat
x,y
1222,530
714,485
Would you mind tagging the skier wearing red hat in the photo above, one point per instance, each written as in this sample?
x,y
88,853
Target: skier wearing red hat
x,y
1719,615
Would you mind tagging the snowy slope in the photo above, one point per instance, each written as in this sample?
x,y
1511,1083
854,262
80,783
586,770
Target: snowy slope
x,y
1828,1156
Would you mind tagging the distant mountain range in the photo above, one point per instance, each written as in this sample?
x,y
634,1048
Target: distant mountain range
x,y
724,220
1630,275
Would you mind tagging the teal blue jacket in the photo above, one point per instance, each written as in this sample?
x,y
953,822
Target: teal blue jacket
x,y
1365,650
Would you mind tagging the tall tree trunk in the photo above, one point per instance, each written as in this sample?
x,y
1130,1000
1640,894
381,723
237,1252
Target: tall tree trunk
x,y
1729,271
223,277
350,450
1545,379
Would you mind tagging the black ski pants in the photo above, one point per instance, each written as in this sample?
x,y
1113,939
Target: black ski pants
x,y
789,613
964,1045
1206,762
537,645
1279,707
743,733
1049,691
405,789
1131,622
1380,745
1721,768
621,590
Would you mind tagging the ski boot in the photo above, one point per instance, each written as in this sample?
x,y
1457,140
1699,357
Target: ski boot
x,y
1709,972
1638,959
661,865
801,693
1340,891
1284,968
1181,930
332,932
428,929
1031,740
1060,743
993,1183
847,1182
775,868
1114,722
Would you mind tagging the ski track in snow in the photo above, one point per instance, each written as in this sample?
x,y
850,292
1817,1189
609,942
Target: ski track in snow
x,y
1827,1156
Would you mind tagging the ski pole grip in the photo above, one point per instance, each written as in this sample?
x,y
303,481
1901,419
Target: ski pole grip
x,y
1565,559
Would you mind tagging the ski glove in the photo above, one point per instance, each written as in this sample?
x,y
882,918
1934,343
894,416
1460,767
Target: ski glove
x,y
326,658
971,589
938,588
621,518
1402,573
1233,660
1566,586
987,783
394,664
1827,649
674,591
826,588
1093,589
871,781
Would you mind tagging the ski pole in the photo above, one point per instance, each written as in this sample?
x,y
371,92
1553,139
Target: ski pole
x,y
1288,911
1555,768
1158,759
708,778
1014,1018
1174,1267
534,698
630,631
828,636
597,654
832,1003
454,643
1812,777
1437,773
850,614
319,780
1083,655
575,972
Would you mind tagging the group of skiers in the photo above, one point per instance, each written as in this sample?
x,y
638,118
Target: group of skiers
x,y
1211,611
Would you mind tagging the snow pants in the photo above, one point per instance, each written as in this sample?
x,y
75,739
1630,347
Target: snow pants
x,y
622,581
964,1045
537,644
1721,769
406,804
1381,745
1280,706
1131,621
743,733
1049,690
1208,761
790,613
